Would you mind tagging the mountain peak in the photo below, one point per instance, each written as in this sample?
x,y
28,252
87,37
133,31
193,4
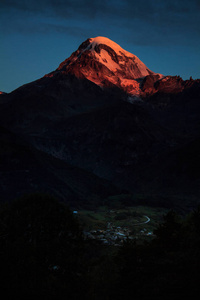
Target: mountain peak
x,y
100,40
106,64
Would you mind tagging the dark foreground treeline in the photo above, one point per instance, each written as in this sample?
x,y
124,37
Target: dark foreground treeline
x,y
44,255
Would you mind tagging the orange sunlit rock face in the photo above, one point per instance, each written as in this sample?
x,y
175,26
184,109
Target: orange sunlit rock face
x,y
105,63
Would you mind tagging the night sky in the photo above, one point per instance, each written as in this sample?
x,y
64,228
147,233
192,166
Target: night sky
x,y
37,35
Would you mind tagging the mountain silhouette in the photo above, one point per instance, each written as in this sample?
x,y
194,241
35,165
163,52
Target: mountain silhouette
x,y
104,112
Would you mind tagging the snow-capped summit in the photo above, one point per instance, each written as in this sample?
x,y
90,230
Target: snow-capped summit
x,y
105,63
105,41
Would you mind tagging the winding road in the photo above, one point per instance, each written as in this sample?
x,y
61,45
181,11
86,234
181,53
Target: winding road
x,y
145,222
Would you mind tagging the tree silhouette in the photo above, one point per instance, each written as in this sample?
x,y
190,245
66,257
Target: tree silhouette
x,y
41,247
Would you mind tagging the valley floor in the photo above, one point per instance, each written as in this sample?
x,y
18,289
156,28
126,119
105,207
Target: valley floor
x,y
114,226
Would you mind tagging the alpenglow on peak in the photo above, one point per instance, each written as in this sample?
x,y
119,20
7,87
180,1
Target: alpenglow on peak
x,y
106,41
106,64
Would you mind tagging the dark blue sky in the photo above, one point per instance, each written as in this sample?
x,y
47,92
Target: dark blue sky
x,y
37,35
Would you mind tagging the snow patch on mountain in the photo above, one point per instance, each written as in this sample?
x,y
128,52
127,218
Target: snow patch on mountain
x,y
105,59
103,40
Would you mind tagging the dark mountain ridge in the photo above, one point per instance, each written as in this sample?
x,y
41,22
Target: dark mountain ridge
x,y
105,112
25,170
